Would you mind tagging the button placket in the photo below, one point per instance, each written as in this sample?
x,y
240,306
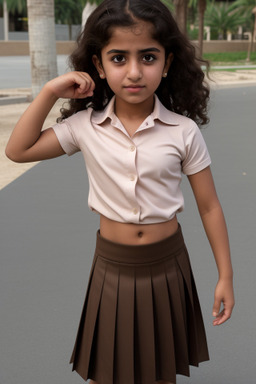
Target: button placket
x,y
132,180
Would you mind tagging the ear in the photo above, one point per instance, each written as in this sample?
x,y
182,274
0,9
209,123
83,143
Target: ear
x,y
168,62
96,61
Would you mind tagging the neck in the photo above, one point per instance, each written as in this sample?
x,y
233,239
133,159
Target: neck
x,y
134,111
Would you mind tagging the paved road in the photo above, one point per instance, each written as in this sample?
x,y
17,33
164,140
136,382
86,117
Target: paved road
x,y
15,71
47,238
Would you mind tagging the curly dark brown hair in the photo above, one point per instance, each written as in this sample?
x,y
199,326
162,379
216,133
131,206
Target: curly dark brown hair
x,y
182,91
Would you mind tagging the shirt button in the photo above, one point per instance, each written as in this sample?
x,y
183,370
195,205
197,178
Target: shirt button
x,y
132,177
132,148
135,211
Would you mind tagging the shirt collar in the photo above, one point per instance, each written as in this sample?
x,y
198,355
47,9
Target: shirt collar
x,y
159,113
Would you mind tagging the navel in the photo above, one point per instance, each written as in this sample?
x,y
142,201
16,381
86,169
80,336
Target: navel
x,y
140,234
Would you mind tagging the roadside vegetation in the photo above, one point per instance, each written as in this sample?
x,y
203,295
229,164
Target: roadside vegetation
x,y
230,58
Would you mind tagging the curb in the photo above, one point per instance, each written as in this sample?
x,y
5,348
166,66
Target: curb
x,y
13,100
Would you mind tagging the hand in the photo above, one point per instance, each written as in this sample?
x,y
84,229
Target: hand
x,y
72,85
223,294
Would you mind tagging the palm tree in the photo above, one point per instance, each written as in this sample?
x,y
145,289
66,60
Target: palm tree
x,y
42,42
89,7
223,18
248,9
201,13
68,12
168,4
200,6
181,7
11,6
15,5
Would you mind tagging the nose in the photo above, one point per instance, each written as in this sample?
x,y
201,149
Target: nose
x,y
134,71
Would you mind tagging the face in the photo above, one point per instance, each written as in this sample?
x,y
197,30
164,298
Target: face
x,y
133,63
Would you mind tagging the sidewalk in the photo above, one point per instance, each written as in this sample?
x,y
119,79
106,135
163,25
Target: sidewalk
x,y
13,103
10,114
228,79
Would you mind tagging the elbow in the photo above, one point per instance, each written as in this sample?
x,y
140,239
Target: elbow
x,y
13,155
211,209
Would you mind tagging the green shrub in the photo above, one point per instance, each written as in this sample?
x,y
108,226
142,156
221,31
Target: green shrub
x,y
227,57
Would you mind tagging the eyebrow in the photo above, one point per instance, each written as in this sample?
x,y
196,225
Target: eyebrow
x,y
152,49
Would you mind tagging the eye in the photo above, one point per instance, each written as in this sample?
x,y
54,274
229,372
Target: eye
x,y
149,58
118,59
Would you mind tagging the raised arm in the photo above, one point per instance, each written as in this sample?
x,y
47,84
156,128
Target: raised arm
x,y
28,142
215,227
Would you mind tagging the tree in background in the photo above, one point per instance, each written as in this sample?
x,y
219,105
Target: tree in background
x,y
42,43
199,7
89,7
223,18
68,12
15,5
247,8
181,7
201,14
169,4
19,6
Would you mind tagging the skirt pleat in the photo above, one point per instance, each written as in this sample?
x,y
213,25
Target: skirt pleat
x,y
197,345
178,305
105,343
86,331
164,339
141,320
144,326
124,357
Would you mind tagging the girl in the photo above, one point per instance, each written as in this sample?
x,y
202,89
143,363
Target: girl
x,y
135,97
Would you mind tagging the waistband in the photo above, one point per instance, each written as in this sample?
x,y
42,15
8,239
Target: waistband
x,y
138,254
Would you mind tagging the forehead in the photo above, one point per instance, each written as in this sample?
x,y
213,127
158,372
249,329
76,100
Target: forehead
x,y
140,33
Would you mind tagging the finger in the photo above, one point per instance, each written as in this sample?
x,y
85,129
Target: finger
x,y
216,307
87,84
82,92
83,84
225,314
222,317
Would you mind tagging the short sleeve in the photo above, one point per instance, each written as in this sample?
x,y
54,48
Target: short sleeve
x,y
66,136
196,153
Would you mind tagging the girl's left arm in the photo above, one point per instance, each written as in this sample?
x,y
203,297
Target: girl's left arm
x,y
215,227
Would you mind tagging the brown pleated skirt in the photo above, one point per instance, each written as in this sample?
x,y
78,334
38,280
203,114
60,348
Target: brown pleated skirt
x,y
141,321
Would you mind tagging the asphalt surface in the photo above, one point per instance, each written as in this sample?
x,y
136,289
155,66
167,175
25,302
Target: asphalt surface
x,y
47,238
10,77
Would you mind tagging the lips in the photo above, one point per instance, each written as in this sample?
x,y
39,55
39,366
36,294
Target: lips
x,y
133,88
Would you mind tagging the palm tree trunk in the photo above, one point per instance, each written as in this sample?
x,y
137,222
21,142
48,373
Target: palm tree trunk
x,y
42,43
6,21
70,31
201,12
181,14
250,45
88,9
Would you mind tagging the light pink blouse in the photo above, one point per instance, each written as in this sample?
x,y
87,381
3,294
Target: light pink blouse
x,y
135,179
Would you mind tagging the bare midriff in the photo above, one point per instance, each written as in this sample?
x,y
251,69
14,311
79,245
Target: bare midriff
x,y
136,234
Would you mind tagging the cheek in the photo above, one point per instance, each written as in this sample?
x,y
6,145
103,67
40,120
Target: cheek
x,y
154,79
113,77
155,74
